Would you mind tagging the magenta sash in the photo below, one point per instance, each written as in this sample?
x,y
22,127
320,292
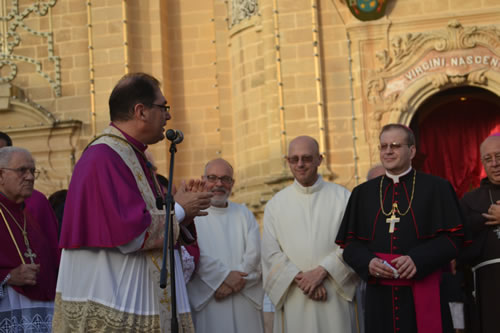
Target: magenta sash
x,y
425,296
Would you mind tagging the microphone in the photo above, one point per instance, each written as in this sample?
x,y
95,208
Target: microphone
x,y
175,136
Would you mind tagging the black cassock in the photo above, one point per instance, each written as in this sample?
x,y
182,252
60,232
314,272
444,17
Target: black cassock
x,y
430,233
484,245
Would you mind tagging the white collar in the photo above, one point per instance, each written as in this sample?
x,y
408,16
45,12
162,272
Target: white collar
x,y
309,189
395,178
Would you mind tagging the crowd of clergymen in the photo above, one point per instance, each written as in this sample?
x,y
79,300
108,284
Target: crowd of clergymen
x,y
374,260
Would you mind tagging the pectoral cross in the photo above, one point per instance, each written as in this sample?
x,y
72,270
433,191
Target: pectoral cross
x,y
392,220
30,254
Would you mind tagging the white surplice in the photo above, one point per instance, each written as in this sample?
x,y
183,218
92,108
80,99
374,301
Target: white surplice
x,y
117,289
18,313
229,239
300,226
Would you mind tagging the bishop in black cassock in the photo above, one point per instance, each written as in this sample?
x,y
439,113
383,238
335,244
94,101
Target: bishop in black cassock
x,y
429,231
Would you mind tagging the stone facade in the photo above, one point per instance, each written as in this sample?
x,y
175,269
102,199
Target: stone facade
x,y
243,77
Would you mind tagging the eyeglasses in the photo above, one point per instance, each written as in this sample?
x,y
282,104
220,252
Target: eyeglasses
x,y
392,146
22,171
165,108
224,179
489,159
304,158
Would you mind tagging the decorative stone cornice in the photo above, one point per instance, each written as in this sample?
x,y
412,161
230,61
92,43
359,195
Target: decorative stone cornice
x,y
456,37
418,65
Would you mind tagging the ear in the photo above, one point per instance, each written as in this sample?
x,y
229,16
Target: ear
x,y
320,159
139,113
413,152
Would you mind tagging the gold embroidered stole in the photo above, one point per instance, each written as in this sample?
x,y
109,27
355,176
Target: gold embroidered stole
x,y
156,229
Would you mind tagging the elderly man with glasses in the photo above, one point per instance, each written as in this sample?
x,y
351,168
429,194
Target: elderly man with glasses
x,y
226,290
304,276
481,209
399,231
29,254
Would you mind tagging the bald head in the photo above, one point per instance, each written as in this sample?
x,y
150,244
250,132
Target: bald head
x,y
304,160
304,141
219,180
490,157
492,140
219,162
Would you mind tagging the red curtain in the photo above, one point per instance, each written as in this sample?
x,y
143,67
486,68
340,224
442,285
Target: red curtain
x,y
449,141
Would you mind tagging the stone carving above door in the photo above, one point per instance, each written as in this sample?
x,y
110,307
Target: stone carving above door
x,y
417,65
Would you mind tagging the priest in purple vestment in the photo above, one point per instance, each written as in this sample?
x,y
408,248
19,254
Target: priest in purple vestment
x,y
112,230
29,254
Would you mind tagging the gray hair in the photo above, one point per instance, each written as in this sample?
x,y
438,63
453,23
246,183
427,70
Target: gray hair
x,y
7,152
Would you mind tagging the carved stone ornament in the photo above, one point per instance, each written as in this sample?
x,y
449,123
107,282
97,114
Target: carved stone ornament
x,y
12,22
418,65
243,9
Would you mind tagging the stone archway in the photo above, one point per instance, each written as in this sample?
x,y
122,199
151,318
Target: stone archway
x,y
51,141
417,66
449,128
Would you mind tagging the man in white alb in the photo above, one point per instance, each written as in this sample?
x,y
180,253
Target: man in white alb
x,y
226,290
303,272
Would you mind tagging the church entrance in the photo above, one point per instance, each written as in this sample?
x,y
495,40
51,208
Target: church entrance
x,y
449,127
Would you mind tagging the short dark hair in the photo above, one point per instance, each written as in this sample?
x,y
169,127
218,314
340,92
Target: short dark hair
x,y
410,137
132,89
6,138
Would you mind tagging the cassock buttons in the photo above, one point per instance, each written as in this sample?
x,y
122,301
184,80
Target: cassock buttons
x,y
394,247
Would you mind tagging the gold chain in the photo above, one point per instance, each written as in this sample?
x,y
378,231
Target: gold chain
x,y
23,230
12,236
395,207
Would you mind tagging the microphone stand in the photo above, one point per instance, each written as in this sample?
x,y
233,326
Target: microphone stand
x,y
168,242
